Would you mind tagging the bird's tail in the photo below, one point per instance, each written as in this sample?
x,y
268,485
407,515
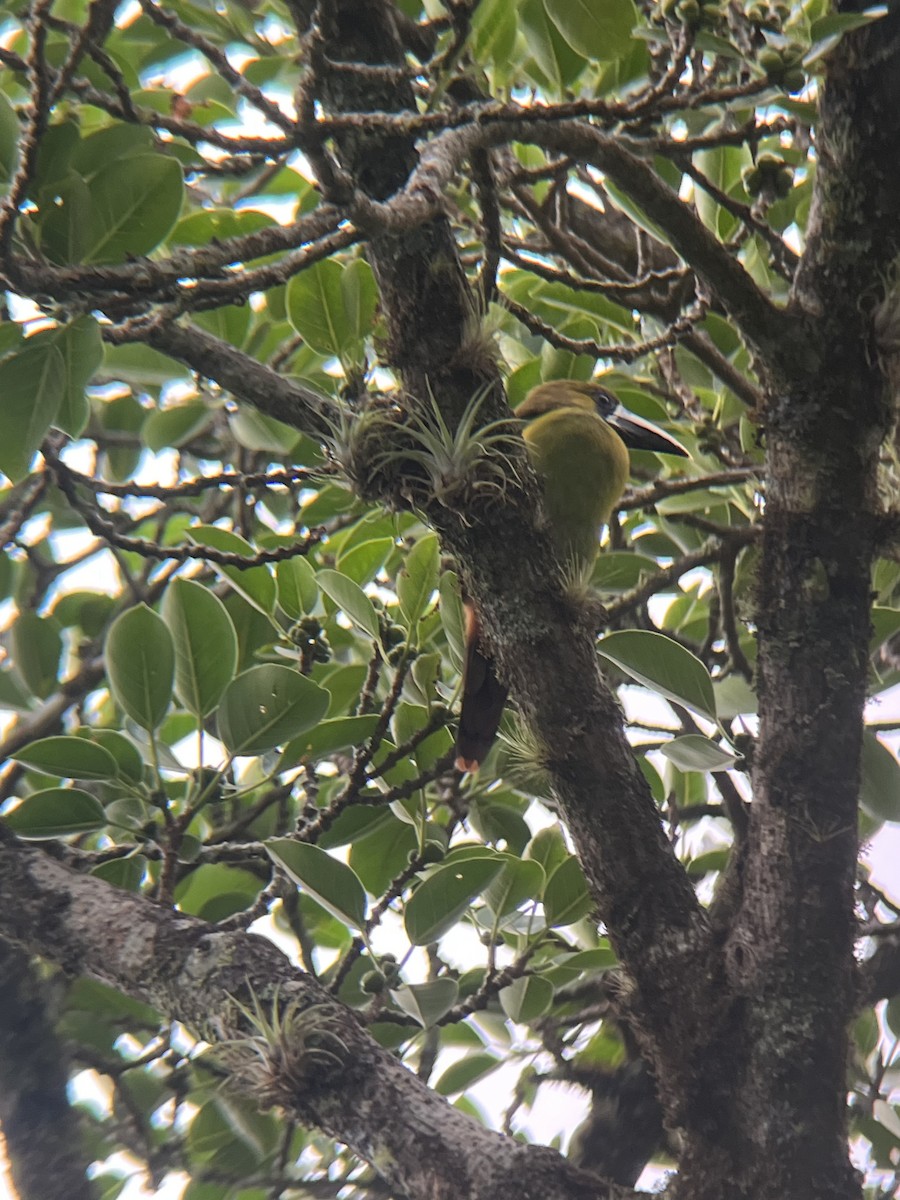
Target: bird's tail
x,y
483,699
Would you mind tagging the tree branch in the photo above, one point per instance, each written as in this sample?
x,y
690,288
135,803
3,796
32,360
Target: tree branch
x,y
191,972
244,376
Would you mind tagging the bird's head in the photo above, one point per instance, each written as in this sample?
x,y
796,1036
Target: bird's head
x,y
592,396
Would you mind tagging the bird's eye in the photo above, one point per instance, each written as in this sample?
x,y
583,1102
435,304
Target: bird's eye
x,y
605,402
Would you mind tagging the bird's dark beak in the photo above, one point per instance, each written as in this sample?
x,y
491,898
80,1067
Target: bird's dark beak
x,y
642,435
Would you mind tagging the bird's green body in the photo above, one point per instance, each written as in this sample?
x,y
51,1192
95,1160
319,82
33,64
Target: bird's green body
x,y
573,436
583,465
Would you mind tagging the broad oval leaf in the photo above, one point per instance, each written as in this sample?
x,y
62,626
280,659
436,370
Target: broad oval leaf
x,y
879,795
452,617
135,202
352,600
266,706
82,350
70,758
255,584
360,295
527,998
441,899
140,665
620,571
548,848
566,896
332,306
129,763
56,812
339,733
32,384
206,647
662,665
418,578
176,425
37,648
297,587
693,752
363,562
521,879
462,1074
331,882
427,1002
600,30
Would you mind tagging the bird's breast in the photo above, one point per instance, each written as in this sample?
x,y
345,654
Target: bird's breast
x,y
583,464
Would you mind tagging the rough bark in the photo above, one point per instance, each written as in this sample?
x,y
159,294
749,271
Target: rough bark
x,y
791,961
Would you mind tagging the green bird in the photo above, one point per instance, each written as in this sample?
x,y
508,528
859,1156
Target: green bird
x,y
578,436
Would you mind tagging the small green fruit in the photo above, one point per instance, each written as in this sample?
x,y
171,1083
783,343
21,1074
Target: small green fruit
x,y
373,982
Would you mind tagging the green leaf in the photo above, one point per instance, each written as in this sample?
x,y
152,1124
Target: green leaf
x,y
461,1075
620,571
452,617
32,384
734,696
836,23
383,853
315,306
266,706
140,665
600,30
66,219
662,665
331,882
885,621
134,204
200,228
175,426
879,795
256,431
527,998
566,896
352,600
892,1016
360,298
255,584
9,139
141,366
548,848
441,899
545,43
521,879
36,651
493,32
427,1002
341,733
82,350
418,578
215,890
703,864
129,764
297,587
56,812
113,142
206,648
693,752
70,758
363,562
